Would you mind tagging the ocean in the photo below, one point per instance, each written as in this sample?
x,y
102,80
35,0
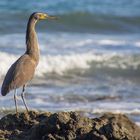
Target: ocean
x,y
90,57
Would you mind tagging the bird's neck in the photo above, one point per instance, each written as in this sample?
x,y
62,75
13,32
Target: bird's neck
x,y
31,41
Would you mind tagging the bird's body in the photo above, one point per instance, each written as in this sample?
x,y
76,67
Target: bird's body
x,y
23,69
19,74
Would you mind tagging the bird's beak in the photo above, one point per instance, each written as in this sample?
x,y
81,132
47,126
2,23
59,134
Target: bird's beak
x,y
51,17
46,16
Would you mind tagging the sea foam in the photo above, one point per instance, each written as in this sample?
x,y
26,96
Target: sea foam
x,y
63,64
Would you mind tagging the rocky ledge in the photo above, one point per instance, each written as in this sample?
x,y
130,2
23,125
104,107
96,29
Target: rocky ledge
x,y
67,126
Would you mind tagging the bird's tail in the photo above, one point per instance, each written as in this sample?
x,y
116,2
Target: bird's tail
x,y
4,91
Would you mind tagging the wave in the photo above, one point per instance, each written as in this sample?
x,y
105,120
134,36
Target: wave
x,y
68,42
117,111
85,21
87,64
75,21
90,111
63,6
79,16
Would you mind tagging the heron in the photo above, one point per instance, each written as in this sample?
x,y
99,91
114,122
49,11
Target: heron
x,y
22,71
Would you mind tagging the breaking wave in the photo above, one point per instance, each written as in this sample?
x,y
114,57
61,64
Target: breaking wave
x,y
79,64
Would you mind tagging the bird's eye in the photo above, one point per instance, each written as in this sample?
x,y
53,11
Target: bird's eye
x,y
36,17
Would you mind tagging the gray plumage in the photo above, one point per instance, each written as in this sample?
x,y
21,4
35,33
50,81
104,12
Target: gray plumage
x,y
23,69
19,74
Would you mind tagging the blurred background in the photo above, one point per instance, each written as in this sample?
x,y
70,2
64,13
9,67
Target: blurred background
x,y
90,57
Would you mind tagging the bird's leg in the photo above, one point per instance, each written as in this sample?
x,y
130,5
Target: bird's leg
x,y
15,99
23,98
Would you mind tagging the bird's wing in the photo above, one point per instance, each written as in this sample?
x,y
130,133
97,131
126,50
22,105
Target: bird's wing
x,y
19,74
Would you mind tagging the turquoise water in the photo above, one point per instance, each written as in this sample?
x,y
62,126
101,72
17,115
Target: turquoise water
x,y
90,57
104,16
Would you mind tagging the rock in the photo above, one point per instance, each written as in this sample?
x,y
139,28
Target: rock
x,y
67,126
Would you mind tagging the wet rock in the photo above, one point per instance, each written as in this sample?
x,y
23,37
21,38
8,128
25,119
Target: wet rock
x,y
67,126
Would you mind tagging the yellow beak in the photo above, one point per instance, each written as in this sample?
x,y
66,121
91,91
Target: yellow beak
x,y
51,17
46,16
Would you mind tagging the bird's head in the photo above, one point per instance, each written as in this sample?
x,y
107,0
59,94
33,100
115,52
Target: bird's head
x,y
42,16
